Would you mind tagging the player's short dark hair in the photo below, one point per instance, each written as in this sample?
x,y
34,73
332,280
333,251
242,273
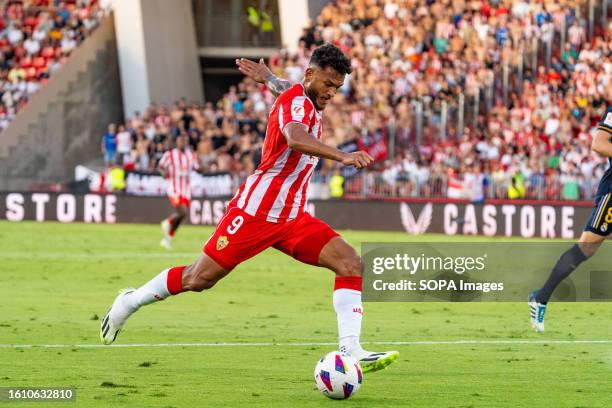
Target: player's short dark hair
x,y
329,55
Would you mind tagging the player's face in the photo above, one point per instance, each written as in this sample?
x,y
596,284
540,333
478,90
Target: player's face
x,y
181,142
322,84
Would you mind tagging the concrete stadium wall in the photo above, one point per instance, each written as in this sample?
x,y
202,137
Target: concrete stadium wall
x,y
172,53
63,123
158,54
131,53
315,7
294,16
501,218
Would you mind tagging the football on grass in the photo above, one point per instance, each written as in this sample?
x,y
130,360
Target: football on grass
x,y
338,375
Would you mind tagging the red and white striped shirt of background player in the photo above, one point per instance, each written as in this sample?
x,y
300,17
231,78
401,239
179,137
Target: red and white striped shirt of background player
x,y
177,166
277,190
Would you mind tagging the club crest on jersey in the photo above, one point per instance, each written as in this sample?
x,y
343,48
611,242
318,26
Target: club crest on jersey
x,y
222,242
604,227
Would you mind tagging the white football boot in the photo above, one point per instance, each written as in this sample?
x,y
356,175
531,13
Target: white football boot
x,y
537,311
115,318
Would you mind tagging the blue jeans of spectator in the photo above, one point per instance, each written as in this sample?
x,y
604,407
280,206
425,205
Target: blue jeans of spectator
x,y
143,162
110,157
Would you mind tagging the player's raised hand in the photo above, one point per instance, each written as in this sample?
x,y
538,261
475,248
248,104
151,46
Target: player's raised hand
x,y
358,159
258,72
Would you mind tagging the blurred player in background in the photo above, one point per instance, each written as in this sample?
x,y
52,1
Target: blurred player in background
x,y
268,210
176,166
596,230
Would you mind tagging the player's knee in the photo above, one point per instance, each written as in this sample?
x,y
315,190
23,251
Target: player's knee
x,y
589,249
181,211
350,266
589,243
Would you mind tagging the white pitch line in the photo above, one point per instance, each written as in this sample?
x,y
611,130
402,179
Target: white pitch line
x,y
270,344
51,256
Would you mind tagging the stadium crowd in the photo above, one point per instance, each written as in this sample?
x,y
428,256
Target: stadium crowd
x,y
533,141
36,37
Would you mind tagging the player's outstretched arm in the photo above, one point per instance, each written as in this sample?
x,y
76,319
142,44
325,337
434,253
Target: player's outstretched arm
x,y
259,72
601,142
299,139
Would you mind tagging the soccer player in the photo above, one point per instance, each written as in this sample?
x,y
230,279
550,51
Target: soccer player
x,y
596,230
268,211
176,166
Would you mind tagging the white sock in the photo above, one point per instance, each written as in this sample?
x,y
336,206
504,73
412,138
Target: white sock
x,y
153,291
349,311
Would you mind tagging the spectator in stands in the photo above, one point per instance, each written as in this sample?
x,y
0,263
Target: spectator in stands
x,y
528,137
336,184
142,151
109,145
36,37
516,186
124,145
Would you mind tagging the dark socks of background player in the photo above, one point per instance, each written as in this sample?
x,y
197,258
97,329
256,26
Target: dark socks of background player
x,y
565,265
175,221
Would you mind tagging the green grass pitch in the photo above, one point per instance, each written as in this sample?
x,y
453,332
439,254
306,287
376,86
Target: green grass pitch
x,y
56,282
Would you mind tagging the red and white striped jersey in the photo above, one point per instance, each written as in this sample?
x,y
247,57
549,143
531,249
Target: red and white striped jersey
x,y
177,166
277,190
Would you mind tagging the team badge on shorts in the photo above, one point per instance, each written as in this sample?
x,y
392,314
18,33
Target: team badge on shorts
x,y
604,227
222,242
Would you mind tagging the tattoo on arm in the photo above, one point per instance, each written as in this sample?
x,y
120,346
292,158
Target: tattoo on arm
x,y
276,85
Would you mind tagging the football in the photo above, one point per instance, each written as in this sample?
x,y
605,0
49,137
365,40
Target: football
x,y
338,375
